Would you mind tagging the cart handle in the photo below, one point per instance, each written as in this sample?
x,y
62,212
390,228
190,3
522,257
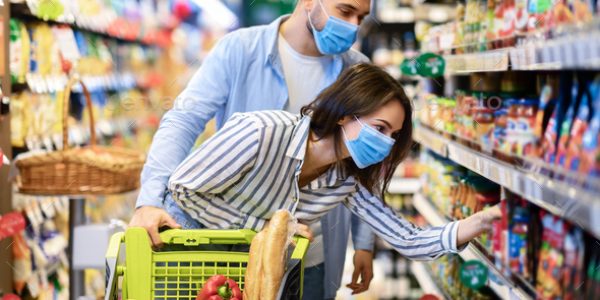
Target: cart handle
x,y
113,270
195,237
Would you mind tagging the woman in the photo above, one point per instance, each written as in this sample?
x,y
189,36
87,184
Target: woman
x,y
342,149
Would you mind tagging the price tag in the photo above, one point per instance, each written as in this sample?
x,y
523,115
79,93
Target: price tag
x,y
409,67
515,185
10,224
594,220
431,65
473,274
3,159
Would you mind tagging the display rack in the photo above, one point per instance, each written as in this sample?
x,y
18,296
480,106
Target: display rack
x,y
113,82
558,197
22,11
502,285
571,47
489,61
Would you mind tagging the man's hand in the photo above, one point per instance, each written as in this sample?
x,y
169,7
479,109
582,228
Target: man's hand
x,y
152,218
363,266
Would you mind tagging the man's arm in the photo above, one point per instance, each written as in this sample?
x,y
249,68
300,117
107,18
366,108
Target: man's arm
x,y
207,91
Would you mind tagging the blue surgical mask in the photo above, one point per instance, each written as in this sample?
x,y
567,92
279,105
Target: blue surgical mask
x,y
336,37
370,147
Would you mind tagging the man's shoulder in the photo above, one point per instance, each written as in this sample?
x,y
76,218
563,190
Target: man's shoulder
x,y
248,38
353,56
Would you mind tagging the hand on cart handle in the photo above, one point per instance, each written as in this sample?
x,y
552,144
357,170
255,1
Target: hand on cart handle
x,y
301,230
152,218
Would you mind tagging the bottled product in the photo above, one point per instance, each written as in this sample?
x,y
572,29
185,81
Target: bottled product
x,y
518,240
546,101
590,157
568,158
525,134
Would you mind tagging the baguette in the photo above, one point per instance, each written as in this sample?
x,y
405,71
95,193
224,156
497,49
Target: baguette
x,y
254,273
274,254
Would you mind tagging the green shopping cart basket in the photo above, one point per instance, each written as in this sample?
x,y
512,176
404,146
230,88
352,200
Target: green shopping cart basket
x,y
179,269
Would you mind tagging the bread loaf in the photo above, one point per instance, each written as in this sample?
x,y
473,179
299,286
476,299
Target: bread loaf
x,y
274,254
266,262
254,272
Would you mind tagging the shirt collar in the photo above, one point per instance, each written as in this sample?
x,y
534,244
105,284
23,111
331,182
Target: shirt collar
x,y
272,49
297,147
297,150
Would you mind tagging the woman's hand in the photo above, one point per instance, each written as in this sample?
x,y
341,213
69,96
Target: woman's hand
x,y
305,231
477,224
363,267
301,230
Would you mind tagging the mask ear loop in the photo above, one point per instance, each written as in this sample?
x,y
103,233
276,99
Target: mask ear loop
x,y
323,8
324,11
344,130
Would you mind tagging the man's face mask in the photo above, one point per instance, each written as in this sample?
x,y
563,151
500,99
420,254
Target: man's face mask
x,y
336,37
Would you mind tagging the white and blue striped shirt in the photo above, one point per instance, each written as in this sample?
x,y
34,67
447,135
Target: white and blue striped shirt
x,y
249,169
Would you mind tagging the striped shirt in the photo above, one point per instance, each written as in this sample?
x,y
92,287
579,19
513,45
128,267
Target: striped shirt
x,y
250,168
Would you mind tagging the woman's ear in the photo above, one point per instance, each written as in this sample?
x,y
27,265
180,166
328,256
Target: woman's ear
x,y
343,121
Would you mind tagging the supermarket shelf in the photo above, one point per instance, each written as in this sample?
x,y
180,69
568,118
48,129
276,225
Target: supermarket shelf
x,y
22,11
557,196
489,61
51,84
423,276
500,284
400,185
568,49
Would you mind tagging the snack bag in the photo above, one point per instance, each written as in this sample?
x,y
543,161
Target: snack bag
x,y
549,273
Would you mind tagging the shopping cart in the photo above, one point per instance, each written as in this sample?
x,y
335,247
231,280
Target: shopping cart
x,y
179,270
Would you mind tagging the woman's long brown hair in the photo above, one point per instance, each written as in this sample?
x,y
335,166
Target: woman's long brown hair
x,y
361,90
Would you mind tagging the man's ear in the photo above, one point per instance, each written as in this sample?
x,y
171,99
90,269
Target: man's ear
x,y
306,4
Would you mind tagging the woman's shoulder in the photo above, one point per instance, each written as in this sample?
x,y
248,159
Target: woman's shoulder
x,y
266,118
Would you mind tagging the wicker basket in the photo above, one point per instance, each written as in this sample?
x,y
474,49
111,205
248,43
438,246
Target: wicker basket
x,y
91,170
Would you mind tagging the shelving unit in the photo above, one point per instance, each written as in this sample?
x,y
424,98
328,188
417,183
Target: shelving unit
x,y
22,11
152,36
533,55
558,197
502,285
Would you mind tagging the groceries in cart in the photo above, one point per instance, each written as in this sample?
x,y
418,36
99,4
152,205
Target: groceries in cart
x,y
209,264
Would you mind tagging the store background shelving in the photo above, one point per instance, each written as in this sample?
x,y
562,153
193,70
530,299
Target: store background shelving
x,y
486,57
131,88
500,284
559,197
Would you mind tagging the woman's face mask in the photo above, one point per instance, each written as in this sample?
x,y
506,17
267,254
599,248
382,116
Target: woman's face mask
x,y
370,147
336,37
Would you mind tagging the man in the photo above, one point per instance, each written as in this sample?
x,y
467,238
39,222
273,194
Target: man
x,y
283,65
